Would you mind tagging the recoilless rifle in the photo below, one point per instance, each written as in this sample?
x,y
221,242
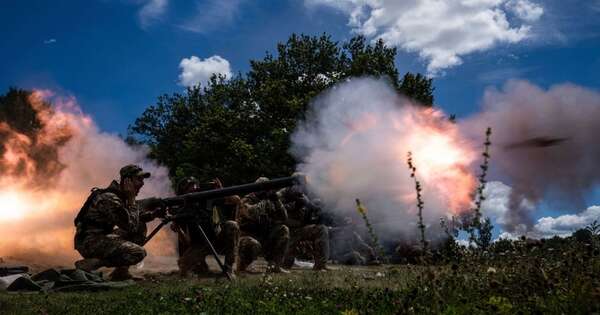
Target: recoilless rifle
x,y
177,209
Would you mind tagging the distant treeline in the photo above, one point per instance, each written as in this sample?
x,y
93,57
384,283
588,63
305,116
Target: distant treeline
x,y
239,129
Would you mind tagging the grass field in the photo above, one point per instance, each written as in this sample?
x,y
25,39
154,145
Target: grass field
x,y
538,282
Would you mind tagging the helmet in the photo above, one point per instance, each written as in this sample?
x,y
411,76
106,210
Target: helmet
x,y
187,184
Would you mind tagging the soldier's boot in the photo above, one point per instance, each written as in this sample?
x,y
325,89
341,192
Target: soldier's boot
x,y
121,274
320,235
89,264
278,246
276,268
288,261
249,248
201,268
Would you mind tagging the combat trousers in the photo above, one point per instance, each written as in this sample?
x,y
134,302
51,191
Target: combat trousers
x,y
118,249
273,246
226,243
316,237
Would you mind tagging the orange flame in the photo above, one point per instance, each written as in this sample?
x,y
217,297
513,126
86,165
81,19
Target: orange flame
x,y
441,155
45,176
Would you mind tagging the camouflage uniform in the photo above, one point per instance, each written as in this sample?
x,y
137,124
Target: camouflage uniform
x,y
221,228
261,221
96,236
300,216
349,248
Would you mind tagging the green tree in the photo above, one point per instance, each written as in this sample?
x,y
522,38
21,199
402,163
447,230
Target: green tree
x,y
240,129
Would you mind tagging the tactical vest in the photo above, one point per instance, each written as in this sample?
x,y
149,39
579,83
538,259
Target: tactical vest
x,y
80,218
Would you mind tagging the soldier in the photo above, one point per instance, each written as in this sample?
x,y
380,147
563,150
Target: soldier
x,y
218,218
97,239
302,218
349,248
261,220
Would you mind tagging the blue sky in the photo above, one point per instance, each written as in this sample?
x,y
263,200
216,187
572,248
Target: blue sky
x,y
117,56
116,62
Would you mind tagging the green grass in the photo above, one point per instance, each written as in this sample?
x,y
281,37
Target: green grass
x,y
516,283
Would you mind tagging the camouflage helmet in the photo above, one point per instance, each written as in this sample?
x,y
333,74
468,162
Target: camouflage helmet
x,y
186,183
133,170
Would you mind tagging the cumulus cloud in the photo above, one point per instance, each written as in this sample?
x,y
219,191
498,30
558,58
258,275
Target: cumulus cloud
x,y
441,32
566,224
563,225
211,15
497,207
151,11
50,41
525,10
196,71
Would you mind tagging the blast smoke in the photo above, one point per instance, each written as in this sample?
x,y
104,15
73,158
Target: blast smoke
x,y
354,144
355,139
41,194
545,145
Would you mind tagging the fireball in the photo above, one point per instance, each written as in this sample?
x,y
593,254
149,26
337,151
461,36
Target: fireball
x,y
12,205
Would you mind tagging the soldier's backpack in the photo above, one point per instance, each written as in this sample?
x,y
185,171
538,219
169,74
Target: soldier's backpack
x,y
88,202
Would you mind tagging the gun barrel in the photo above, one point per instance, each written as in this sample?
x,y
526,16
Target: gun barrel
x,y
233,190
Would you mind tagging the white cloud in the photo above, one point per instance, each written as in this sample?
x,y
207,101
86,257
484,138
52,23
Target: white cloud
x,y
50,41
525,10
211,15
565,225
196,71
151,11
495,205
440,31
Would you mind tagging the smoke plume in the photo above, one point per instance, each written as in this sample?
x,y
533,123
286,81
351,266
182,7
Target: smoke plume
x,y
47,172
544,145
354,144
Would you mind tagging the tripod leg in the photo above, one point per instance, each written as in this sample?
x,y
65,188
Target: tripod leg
x,y
214,252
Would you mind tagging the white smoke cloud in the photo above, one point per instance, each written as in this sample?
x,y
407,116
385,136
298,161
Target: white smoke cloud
x,y
354,144
440,31
196,71
151,11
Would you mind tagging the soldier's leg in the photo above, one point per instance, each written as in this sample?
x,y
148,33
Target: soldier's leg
x,y
277,245
112,251
318,236
228,241
249,249
352,258
193,260
365,251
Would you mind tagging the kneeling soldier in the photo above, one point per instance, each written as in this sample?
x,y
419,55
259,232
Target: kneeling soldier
x,y
111,225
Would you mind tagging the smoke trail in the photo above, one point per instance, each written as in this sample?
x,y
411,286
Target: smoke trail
x,y
545,145
41,192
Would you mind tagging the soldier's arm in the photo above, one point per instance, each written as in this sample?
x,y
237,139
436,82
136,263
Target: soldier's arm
x,y
279,213
115,212
250,209
236,203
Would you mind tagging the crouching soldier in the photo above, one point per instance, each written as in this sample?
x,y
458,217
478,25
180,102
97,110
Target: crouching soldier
x,y
218,218
262,220
348,248
302,221
111,225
